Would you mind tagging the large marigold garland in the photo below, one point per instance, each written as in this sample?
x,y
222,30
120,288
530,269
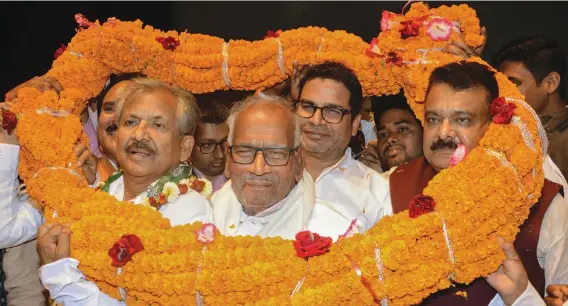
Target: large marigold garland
x,y
401,260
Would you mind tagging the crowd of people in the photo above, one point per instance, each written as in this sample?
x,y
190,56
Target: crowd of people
x,y
287,159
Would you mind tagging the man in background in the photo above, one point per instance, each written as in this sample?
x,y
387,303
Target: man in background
x,y
208,156
537,66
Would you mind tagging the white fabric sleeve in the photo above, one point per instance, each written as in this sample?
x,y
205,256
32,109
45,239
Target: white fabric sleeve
x,y
20,221
188,208
552,248
67,285
529,298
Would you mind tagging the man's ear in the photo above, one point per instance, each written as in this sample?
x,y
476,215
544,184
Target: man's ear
x,y
551,82
300,164
187,142
355,125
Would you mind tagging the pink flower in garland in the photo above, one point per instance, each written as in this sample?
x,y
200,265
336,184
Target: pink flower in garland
x,y
374,50
458,156
439,29
386,22
207,233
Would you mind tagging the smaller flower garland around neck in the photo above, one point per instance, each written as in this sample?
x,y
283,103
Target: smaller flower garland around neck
x,y
169,187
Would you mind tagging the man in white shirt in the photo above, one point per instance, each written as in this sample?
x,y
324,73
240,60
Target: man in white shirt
x,y
266,195
156,124
330,98
208,156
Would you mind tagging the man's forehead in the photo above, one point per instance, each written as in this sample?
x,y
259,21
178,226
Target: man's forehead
x,y
212,130
325,92
157,103
397,116
515,69
444,98
261,132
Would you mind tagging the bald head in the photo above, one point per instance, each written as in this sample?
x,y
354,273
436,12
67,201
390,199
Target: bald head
x,y
265,124
275,111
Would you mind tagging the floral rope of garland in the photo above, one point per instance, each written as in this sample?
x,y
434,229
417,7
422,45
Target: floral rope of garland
x,y
251,270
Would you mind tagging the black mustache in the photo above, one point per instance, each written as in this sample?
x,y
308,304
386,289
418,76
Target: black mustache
x,y
441,144
389,145
143,145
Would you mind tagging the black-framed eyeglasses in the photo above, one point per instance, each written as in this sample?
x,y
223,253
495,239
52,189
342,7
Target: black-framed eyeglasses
x,y
210,147
245,155
331,114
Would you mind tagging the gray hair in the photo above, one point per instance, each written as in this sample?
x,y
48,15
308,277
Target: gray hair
x,y
187,110
262,98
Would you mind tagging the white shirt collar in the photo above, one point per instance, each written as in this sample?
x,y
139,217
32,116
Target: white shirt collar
x,y
343,163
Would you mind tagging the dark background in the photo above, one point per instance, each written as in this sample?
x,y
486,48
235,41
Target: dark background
x,y
32,31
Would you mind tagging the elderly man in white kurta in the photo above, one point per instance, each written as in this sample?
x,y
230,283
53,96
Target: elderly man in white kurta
x,y
269,194
330,98
156,124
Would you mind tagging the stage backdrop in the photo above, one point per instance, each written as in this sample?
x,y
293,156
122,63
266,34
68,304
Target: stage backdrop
x,y
32,31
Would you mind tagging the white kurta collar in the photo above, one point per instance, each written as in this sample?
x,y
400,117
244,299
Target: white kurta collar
x,y
284,219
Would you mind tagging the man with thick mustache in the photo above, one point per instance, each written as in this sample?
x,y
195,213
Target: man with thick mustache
x,y
269,194
457,113
330,99
153,140
107,123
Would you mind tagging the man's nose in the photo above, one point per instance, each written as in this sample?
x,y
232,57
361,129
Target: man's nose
x,y
140,131
446,131
317,118
259,165
219,151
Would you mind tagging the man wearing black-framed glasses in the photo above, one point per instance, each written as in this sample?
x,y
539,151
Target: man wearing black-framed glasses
x,y
328,106
208,156
267,194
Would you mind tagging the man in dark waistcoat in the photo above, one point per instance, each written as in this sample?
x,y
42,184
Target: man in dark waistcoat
x,y
457,112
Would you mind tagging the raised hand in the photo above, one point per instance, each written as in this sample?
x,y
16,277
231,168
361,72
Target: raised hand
x,y
370,156
87,162
459,47
42,83
511,279
557,295
53,243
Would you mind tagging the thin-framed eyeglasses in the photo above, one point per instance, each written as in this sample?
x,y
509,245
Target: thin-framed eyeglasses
x,y
210,147
330,113
245,155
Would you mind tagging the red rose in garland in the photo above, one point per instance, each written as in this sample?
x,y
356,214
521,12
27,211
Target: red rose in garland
x,y
59,51
169,43
410,29
197,185
273,34
122,251
308,244
420,205
394,57
8,120
502,111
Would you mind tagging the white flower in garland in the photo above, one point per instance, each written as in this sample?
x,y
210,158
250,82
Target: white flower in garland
x,y
207,189
171,191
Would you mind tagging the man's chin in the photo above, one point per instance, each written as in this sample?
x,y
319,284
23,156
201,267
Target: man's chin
x,y
440,161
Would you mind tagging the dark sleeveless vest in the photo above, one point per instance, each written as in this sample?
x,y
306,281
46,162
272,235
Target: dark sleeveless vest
x,y
411,178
